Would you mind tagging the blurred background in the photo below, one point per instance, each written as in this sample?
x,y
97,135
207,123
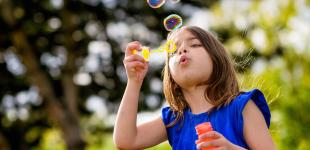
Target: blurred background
x,y
62,77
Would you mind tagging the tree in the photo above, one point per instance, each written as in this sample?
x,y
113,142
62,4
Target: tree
x,y
45,46
55,55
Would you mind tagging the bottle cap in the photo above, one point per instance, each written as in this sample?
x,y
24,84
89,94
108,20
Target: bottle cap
x,y
203,128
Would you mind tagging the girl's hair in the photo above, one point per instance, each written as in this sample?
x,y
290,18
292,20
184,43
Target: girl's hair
x,y
222,86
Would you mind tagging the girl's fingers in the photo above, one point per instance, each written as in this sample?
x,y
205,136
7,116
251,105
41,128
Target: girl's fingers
x,y
133,65
210,143
133,58
211,134
219,148
131,47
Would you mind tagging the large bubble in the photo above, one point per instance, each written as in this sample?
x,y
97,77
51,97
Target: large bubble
x,y
172,22
156,3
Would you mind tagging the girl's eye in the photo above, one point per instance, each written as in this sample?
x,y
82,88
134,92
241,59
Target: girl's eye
x,y
195,45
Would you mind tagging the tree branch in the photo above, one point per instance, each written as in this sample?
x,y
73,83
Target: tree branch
x,y
66,120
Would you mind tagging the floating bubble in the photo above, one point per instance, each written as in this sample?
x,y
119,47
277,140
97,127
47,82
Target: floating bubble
x,y
156,3
172,22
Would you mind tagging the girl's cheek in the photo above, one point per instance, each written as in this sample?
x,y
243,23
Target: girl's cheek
x,y
172,63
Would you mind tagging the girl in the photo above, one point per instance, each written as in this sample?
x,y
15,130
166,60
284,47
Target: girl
x,y
200,85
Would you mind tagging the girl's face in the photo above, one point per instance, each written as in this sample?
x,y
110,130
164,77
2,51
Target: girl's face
x,y
190,65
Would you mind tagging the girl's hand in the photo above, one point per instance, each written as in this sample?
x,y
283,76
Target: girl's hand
x,y
218,140
135,65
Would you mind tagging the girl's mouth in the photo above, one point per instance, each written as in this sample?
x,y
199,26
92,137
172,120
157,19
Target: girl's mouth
x,y
183,60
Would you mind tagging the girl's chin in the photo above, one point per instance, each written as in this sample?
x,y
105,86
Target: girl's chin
x,y
189,80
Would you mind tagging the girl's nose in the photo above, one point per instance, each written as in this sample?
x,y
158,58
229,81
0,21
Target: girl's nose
x,y
183,51
183,48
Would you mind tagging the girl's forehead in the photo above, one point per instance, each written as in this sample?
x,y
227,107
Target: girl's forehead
x,y
177,34
181,35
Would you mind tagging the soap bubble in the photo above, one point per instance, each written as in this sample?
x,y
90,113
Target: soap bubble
x,y
156,3
172,22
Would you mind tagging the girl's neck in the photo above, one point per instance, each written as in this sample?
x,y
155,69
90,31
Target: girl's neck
x,y
194,96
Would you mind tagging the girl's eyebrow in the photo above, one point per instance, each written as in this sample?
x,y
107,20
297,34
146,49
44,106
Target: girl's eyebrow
x,y
191,38
188,39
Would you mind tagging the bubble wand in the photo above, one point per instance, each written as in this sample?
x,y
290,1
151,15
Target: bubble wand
x,y
145,52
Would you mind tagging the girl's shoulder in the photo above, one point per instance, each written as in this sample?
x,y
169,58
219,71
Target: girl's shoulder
x,y
168,115
239,103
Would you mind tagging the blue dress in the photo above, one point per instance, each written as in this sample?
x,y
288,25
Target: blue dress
x,y
226,120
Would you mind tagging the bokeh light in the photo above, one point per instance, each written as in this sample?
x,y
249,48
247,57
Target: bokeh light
x,y
175,1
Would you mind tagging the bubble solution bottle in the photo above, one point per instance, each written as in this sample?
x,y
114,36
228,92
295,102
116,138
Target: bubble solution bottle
x,y
201,129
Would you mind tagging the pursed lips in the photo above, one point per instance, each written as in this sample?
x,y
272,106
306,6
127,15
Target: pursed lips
x,y
183,59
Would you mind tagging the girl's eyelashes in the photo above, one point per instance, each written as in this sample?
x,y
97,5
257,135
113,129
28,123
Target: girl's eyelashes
x,y
195,45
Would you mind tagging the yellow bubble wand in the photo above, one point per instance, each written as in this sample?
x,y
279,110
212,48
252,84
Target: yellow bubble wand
x,y
169,47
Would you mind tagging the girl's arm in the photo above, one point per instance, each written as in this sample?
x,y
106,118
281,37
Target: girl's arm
x,y
255,130
127,135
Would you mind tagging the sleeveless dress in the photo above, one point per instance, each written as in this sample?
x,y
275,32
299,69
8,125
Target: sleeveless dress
x,y
227,120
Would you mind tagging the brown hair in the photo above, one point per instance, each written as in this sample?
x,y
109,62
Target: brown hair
x,y
222,85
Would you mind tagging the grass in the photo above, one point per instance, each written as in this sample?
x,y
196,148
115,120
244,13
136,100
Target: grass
x,y
110,146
